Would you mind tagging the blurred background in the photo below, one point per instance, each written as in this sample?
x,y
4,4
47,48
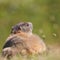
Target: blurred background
x,y
44,14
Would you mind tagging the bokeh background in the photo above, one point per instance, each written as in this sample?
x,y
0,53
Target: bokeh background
x,y
44,14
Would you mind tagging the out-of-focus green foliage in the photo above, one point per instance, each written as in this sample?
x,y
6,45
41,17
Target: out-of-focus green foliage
x,y
44,14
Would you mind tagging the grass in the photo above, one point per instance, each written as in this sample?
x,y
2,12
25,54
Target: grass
x,y
45,16
53,54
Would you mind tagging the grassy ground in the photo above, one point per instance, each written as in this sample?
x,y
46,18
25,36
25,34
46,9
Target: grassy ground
x,y
53,54
45,16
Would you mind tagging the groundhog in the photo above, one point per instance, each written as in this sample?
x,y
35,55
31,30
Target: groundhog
x,y
23,41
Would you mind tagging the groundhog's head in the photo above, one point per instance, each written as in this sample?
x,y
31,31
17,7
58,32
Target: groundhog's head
x,y
22,26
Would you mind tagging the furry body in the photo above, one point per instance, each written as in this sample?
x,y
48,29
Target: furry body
x,y
23,43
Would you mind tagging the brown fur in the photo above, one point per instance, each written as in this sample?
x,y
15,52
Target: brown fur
x,y
24,43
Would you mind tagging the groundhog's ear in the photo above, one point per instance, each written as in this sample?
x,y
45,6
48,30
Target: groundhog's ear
x,y
14,29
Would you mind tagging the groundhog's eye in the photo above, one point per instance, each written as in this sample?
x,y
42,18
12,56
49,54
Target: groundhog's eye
x,y
27,24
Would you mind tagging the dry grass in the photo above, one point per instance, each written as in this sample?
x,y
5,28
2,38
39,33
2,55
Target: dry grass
x,y
53,54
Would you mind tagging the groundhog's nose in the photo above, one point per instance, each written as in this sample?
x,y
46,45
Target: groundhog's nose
x,y
31,25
